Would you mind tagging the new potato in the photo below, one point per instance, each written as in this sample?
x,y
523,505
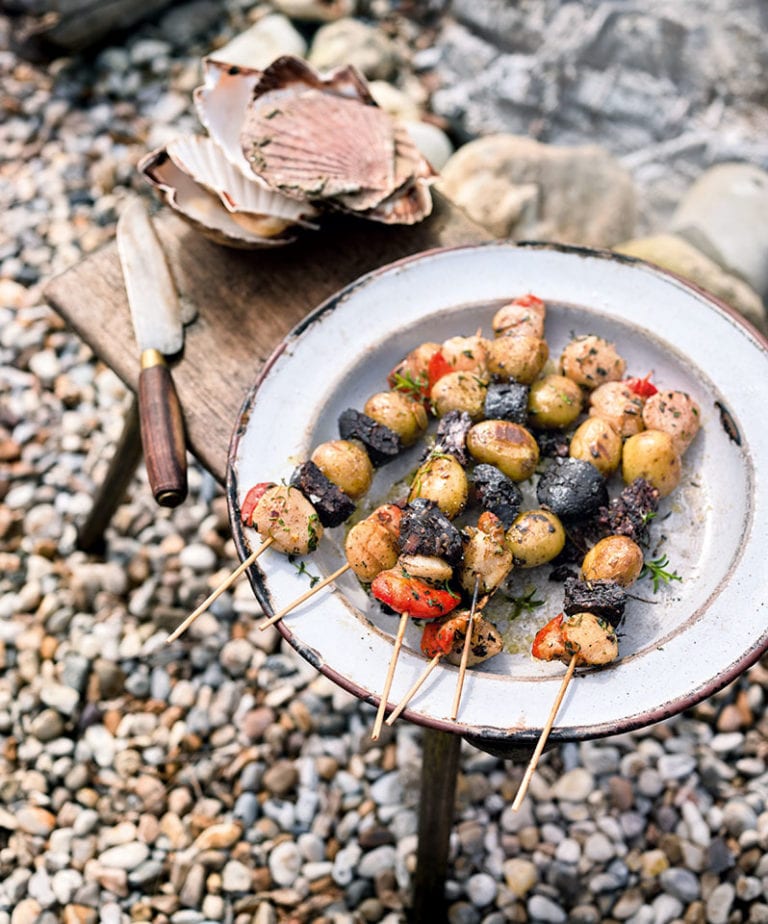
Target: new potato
x,y
400,413
651,454
554,402
346,464
442,480
508,446
615,558
535,537
597,442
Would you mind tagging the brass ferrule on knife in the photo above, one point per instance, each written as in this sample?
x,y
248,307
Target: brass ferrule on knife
x,y
152,357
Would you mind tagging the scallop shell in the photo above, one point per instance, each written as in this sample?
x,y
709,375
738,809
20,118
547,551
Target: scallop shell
x,y
319,136
205,211
202,160
320,145
407,206
411,201
221,103
289,72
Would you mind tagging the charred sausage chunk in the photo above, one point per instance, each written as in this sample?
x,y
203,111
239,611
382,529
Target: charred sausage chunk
x,y
426,530
451,436
507,401
553,443
630,513
333,506
497,493
572,489
605,599
382,443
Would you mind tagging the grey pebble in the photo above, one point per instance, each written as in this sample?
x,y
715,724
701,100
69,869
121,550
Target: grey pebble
x,y
680,883
481,889
376,861
285,863
720,902
676,766
543,909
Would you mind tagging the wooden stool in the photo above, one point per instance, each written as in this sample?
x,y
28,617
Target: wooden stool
x,y
247,301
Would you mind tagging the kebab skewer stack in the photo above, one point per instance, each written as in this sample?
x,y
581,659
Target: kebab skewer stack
x,y
491,397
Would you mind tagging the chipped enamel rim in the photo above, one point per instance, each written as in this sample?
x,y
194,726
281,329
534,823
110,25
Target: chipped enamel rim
x,y
692,640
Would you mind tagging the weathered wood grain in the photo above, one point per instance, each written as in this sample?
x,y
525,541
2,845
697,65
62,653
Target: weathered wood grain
x,y
246,301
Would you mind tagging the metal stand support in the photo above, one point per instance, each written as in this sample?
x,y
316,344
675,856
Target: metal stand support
x,y
123,465
440,766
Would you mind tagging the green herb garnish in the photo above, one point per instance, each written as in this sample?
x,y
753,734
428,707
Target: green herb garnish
x,y
657,570
526,602
301,568
405,382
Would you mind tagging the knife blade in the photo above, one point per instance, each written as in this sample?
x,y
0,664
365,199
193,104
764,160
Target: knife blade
x,y
157,323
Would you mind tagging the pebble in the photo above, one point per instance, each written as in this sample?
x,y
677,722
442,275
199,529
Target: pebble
x,y
125,856
720,902
541,908
574,786
350,41
285,863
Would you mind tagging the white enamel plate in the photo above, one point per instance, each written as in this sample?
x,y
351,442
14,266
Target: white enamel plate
x,y
677,645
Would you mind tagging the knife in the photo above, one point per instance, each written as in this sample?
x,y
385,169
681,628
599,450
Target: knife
x,y
157,323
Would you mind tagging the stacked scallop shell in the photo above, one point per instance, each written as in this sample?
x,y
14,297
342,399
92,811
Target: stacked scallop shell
x,y
283,146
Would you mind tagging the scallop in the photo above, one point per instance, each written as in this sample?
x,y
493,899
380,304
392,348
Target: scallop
x,y
205,211
323,138
221,103
319,145
202,160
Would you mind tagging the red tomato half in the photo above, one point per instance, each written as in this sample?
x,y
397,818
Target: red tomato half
x,y
528,301
437,638
438,367
644,388
548,645
251,499
411,595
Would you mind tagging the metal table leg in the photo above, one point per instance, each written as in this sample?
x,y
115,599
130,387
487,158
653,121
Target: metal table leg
x,y
440,766
124,462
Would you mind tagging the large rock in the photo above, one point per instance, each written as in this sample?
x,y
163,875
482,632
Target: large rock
x,y
270,37
725,215
671,88
679,256
349,41
316,10
432,141
519,188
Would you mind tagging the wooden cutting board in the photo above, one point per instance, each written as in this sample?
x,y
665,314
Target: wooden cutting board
x,y
246,302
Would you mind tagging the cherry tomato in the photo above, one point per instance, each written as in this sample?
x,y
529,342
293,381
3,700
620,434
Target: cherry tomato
x,y
437,638
252,498
528,301
642,387
549,643
438,367
417,598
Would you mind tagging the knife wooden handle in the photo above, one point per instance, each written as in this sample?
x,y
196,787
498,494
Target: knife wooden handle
x,y
162,433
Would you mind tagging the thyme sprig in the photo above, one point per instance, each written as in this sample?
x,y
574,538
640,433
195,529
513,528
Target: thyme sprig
x,y
301,568
656,569
526,602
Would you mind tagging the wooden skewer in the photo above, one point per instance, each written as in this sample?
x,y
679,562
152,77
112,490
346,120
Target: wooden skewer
x,y
390,674
227,582
414,690
533,763
465,651
305,596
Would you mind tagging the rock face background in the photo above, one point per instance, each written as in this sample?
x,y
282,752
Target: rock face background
x,y
668,88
